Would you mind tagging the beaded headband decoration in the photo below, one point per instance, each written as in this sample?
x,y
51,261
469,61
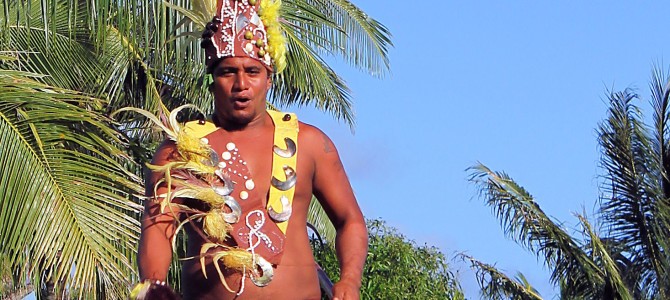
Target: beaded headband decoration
x,y
245,28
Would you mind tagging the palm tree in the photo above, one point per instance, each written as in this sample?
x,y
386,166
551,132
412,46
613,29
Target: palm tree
x,y
70,175
66,204
627,258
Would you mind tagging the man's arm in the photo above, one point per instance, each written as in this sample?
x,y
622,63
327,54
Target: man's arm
x,y
155,248
332,188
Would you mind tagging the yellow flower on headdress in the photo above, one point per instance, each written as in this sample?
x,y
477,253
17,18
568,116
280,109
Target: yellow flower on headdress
x,y
269,14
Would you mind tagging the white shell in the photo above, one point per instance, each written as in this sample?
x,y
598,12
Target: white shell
x,y
264,278
249,184
244,195
286,210
222,165
236,210
230,146
226,155
204,141
249,47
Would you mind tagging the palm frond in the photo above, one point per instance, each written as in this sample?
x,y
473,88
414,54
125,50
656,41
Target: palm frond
x,y
495,285
319,219
351,34
142,78
660,101
525,222
308,78
50,190
634,196
65,62
614,286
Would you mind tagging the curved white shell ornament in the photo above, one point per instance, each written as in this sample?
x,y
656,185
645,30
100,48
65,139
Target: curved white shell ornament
x,y
266,269
285,214
236,210
290,180
228,184
288,152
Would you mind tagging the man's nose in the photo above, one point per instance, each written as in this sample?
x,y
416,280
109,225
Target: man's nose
x,y
241,82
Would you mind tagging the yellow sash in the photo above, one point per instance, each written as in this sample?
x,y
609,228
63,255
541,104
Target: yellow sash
x,y
286,126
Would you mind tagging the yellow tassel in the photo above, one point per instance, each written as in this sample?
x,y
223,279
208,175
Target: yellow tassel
x,y
190,145
198,167
194,152
215,227
238,259
209,196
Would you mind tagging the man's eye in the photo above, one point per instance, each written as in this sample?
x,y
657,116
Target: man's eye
x,y
225,72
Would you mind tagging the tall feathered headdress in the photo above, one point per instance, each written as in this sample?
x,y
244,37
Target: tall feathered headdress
x,y
241,28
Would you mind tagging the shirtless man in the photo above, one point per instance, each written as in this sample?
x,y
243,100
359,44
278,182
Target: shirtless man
x,y
243,127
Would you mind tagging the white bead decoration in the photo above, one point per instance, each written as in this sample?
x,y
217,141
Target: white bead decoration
x,y
226,155
249,184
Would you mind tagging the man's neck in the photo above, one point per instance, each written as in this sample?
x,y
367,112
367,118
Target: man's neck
x,y
258,123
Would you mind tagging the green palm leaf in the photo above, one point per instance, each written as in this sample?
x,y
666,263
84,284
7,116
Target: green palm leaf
x,y
495,285
317,217
63,210
65,62
614,286
525,222
308,78
347,31
628,257
635,207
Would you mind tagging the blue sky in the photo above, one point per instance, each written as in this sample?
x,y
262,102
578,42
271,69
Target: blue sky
x,y
518,85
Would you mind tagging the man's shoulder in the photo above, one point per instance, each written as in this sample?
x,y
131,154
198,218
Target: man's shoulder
x,y
315,142
308,131
288,119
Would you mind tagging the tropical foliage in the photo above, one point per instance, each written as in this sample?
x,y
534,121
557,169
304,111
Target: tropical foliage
x,y
70,175
65,196
397,268
625,256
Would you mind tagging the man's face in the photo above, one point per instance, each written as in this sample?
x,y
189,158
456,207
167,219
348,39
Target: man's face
x,y
240,87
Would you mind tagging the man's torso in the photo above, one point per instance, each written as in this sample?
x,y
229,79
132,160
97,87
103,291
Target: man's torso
x,y
295,276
